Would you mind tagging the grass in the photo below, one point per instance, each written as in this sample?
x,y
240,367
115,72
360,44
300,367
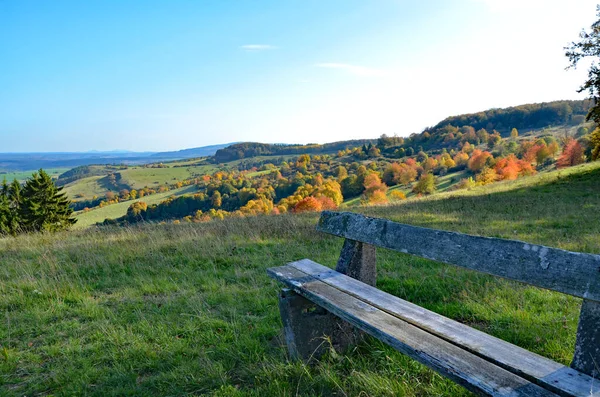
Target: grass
x,y
113,211
24,175
139,177
134,178
85,188
188,309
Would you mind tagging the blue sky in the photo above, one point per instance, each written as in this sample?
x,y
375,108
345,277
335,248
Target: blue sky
x,y
165,75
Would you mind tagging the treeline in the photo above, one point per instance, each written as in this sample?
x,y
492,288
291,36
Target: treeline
x,y
253,149
523,117
487,128
36,206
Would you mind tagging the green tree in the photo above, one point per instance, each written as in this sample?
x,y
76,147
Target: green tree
x,y
426,184
595,144
44,207
12,194
216,199
514,133
5,213
589,47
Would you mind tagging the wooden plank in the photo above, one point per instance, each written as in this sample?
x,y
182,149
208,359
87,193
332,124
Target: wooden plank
x,y
469,370
573,273
522,362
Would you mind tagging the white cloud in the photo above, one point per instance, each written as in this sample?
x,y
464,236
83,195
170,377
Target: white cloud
x,y
257,47
353,69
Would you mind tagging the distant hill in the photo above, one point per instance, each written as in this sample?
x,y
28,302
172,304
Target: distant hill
x,y
251,149
34,161
202,151
522,117
490,125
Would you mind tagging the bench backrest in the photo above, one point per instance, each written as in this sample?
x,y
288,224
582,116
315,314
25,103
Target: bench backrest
x,y
568,272
572,273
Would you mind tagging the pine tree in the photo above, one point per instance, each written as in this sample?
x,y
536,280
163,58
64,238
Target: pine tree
x,y
12,194
4,209
44,207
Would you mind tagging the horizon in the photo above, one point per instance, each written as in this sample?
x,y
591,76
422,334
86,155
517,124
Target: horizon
x,y
296,72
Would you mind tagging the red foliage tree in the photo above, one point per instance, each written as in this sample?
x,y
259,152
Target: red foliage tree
x,y
478,160
571,155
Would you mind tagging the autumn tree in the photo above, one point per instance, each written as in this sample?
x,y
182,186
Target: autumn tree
x,y
216,199
478,160
425,185
514,133
136,209
340,173
397,195
375,189
571,155
391,174
486,176
308,204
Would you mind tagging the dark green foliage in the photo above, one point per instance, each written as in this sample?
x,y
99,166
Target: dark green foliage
x,y
4,209
38,206
523,117
589,46
251,149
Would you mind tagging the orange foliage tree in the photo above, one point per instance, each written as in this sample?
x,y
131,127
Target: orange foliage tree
x,y
478,160
308,204
571,155
375,190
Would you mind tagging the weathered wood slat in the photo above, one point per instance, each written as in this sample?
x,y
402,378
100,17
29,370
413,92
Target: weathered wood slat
x,y
568,272
522,362
469,370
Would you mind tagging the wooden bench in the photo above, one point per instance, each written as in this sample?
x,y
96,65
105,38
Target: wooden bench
x,y
319,301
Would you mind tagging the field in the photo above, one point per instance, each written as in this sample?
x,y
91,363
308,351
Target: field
x,y
139,177
89,218
85,188
188,309
134,178
24,175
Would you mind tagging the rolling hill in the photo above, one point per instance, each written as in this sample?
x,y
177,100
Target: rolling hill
x,y
189,309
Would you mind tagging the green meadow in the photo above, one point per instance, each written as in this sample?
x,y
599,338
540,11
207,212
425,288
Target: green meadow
x,y
188,309
113,211
24,175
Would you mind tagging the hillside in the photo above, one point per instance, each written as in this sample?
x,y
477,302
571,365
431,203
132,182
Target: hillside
x,y
180,309
255,177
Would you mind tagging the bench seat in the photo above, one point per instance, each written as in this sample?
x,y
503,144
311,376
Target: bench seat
x,y
480,362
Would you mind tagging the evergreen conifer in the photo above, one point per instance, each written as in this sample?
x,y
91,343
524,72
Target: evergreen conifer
x,y
44,207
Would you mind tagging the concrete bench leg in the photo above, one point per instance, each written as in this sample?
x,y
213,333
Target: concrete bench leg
x,y
307,326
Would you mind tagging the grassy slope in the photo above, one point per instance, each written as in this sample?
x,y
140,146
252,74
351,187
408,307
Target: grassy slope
x,y
188,309
85,219
24,175
135,178
88,187
139,177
